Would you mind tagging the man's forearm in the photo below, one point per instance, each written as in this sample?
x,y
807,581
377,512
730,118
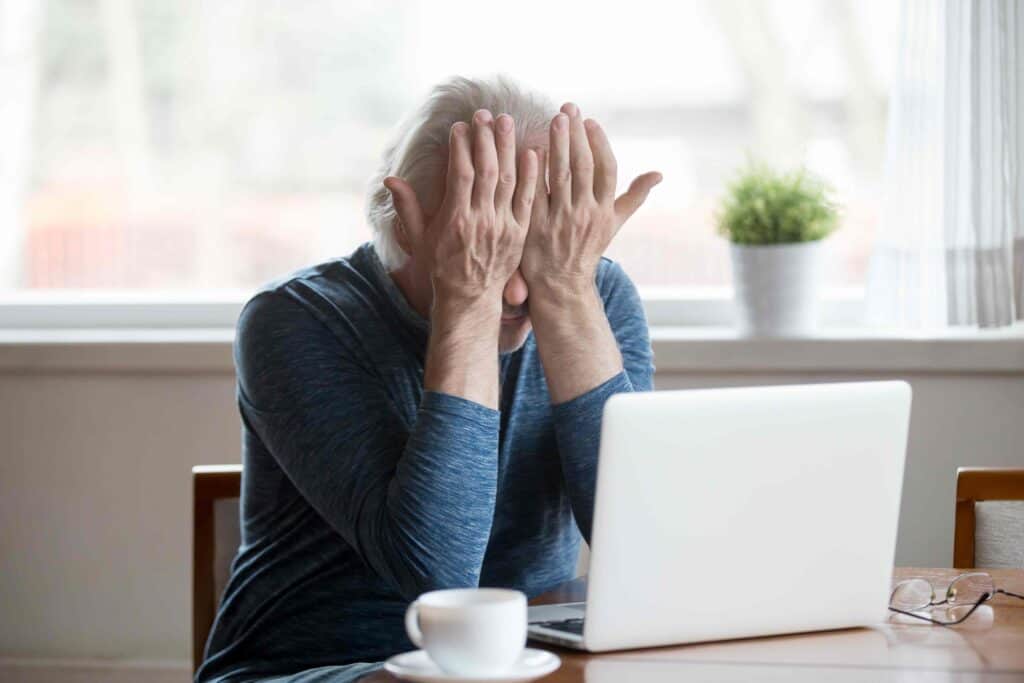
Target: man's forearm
x,y
462,354
580,354
574,339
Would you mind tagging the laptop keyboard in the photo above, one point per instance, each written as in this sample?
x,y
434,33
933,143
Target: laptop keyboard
x,y
574,625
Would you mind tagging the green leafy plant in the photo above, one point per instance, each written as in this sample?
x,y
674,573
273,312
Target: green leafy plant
x,y
763,206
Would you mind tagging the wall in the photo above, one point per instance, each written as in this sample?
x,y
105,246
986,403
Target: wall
x,y
95,503
98,443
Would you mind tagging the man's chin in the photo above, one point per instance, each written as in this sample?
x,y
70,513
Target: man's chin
x,y
513,336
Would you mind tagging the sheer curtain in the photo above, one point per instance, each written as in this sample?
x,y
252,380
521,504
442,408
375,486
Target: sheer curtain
x,y
950,244
18,69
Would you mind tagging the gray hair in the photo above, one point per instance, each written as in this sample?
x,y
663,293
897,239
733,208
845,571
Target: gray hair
x,y
417,151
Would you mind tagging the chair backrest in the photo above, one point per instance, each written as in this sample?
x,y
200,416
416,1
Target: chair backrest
x,y
989,528
215,538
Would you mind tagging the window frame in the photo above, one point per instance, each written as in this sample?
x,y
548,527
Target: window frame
x,y
703,307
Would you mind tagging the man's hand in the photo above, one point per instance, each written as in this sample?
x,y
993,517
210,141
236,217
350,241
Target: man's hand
x,y
474,243
569,231
470,248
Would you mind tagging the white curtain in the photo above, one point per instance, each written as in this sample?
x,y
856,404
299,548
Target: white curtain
x,y
950,242
18,80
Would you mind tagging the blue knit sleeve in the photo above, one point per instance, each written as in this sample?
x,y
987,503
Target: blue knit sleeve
x,y
578,421
415,501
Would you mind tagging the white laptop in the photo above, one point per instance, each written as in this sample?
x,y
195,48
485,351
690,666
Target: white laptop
x,y
731,513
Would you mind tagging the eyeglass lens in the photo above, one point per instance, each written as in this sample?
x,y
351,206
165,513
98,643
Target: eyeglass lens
x,y
912,594
968,589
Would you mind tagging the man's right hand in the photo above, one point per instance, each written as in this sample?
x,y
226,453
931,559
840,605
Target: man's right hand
x,y
474,243
470,248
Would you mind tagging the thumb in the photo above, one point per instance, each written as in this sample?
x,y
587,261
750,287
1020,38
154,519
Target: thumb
x,y
407,206
631,200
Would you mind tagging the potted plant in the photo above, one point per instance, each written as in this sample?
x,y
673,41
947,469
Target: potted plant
x,y
775,223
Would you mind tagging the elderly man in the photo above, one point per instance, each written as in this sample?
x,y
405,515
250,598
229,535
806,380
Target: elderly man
x,y
403,429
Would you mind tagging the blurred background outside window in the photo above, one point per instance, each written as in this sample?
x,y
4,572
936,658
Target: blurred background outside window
x,y
196,146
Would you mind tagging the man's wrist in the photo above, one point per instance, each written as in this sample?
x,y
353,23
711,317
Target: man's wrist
x,y
565,301
574,338
481,312
462,354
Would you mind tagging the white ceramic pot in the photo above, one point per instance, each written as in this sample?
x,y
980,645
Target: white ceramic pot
x,y
776,288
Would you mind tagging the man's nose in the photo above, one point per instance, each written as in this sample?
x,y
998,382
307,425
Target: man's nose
x,y
515,290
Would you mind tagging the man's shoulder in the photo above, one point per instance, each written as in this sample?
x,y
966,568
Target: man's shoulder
x,y
622,303
336,275
335,292
612,280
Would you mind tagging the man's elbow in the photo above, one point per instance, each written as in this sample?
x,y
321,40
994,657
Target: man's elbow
x,y
439,576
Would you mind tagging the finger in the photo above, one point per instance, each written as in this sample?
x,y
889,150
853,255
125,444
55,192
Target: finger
x,y
527,189
459,187
627,203
559,173
410,215
485,159
581,158
606,169
540,195
505,142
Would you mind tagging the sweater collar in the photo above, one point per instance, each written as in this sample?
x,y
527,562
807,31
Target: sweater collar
x,y
383,280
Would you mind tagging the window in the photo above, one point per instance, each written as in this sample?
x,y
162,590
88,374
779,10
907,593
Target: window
x,y
204,145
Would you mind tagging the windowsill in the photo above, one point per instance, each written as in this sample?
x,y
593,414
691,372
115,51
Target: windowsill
x,y
720,349
677,349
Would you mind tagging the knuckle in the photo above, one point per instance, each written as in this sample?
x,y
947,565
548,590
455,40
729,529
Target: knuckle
x,y
460,221
507,178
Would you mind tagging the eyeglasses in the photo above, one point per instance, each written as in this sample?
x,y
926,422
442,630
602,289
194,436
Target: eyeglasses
x,y
965,592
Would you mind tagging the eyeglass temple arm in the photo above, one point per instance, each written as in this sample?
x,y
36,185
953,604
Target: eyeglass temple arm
x,y
1012,595
929,619
971,611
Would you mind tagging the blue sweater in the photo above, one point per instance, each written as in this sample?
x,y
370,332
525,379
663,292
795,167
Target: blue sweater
x,y
361,490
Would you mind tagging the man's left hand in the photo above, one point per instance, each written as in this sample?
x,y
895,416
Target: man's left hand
x,y
569,231
571,228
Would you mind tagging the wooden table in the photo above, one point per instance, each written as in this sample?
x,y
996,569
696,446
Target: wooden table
x,y
989,646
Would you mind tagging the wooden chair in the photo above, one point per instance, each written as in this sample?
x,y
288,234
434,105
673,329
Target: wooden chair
x,y
985,515
215,532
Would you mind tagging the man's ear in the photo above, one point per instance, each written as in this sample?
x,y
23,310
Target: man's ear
x,y
402,237
409,222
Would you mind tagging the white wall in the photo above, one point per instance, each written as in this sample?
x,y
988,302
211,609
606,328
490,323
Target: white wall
x,y
95,488
95,509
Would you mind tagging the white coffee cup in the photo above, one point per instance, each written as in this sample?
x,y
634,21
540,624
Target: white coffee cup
x,y
469,631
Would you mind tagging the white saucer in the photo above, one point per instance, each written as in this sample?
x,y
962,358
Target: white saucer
x,y
417,666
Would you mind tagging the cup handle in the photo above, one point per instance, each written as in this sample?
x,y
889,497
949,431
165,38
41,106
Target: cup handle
x,y
412,624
